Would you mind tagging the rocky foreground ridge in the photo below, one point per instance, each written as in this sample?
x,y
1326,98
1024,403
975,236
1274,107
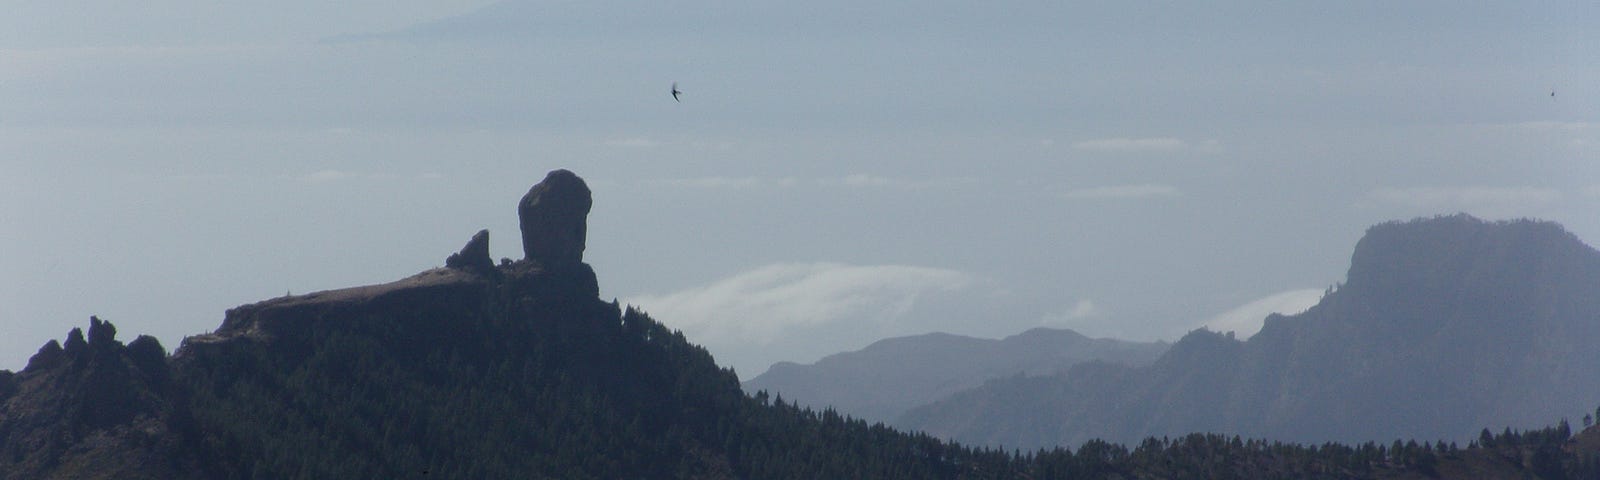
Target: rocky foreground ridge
x,y
95,408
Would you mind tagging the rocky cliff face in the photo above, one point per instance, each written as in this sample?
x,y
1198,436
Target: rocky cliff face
x,y
1445,326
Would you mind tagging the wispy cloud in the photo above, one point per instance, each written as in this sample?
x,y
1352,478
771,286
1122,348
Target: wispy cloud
x,y
633,142
721,182
331,176
861,180
1123,192
326,176
1245,320
647,142
766,304
712,145
1466,197
1550,126
1070,316
1583,136
1133,145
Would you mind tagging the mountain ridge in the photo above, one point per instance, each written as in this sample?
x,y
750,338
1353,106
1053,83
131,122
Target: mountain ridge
x,y
519,370
882,380
1447,321
474,370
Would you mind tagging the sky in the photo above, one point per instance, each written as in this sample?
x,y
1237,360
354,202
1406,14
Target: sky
x,y
836,172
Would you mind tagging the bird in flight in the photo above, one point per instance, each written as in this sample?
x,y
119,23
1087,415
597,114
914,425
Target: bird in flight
x,y
676,92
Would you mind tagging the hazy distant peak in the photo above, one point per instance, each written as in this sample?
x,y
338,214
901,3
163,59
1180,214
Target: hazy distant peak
x,y
884,379
1427,253
1202,345
1444,323
1056,334
921,341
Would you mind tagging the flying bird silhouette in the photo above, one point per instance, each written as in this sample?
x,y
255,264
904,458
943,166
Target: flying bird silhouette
x,y
675,92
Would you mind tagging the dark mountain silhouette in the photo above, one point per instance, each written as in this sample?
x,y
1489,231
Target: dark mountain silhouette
x,y
1443,324
517,370
94,409
474,370
885,379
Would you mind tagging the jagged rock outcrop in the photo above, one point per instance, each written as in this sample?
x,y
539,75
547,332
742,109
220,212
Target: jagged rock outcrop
x,y
94,409
49,356
474,257
102,335
554,219
75,345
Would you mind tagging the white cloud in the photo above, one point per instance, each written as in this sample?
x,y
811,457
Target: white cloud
x,y
1148,190
1245,320
1070,316
764,305
1492,198
1132,145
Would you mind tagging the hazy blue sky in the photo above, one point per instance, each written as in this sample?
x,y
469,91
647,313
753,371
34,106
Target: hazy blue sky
x,y
837,172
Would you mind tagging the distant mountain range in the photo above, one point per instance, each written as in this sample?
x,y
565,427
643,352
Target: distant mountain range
x,y
1443,326
883,380
518,370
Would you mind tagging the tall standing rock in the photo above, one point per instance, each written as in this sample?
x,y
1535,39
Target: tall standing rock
x,y
554,216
